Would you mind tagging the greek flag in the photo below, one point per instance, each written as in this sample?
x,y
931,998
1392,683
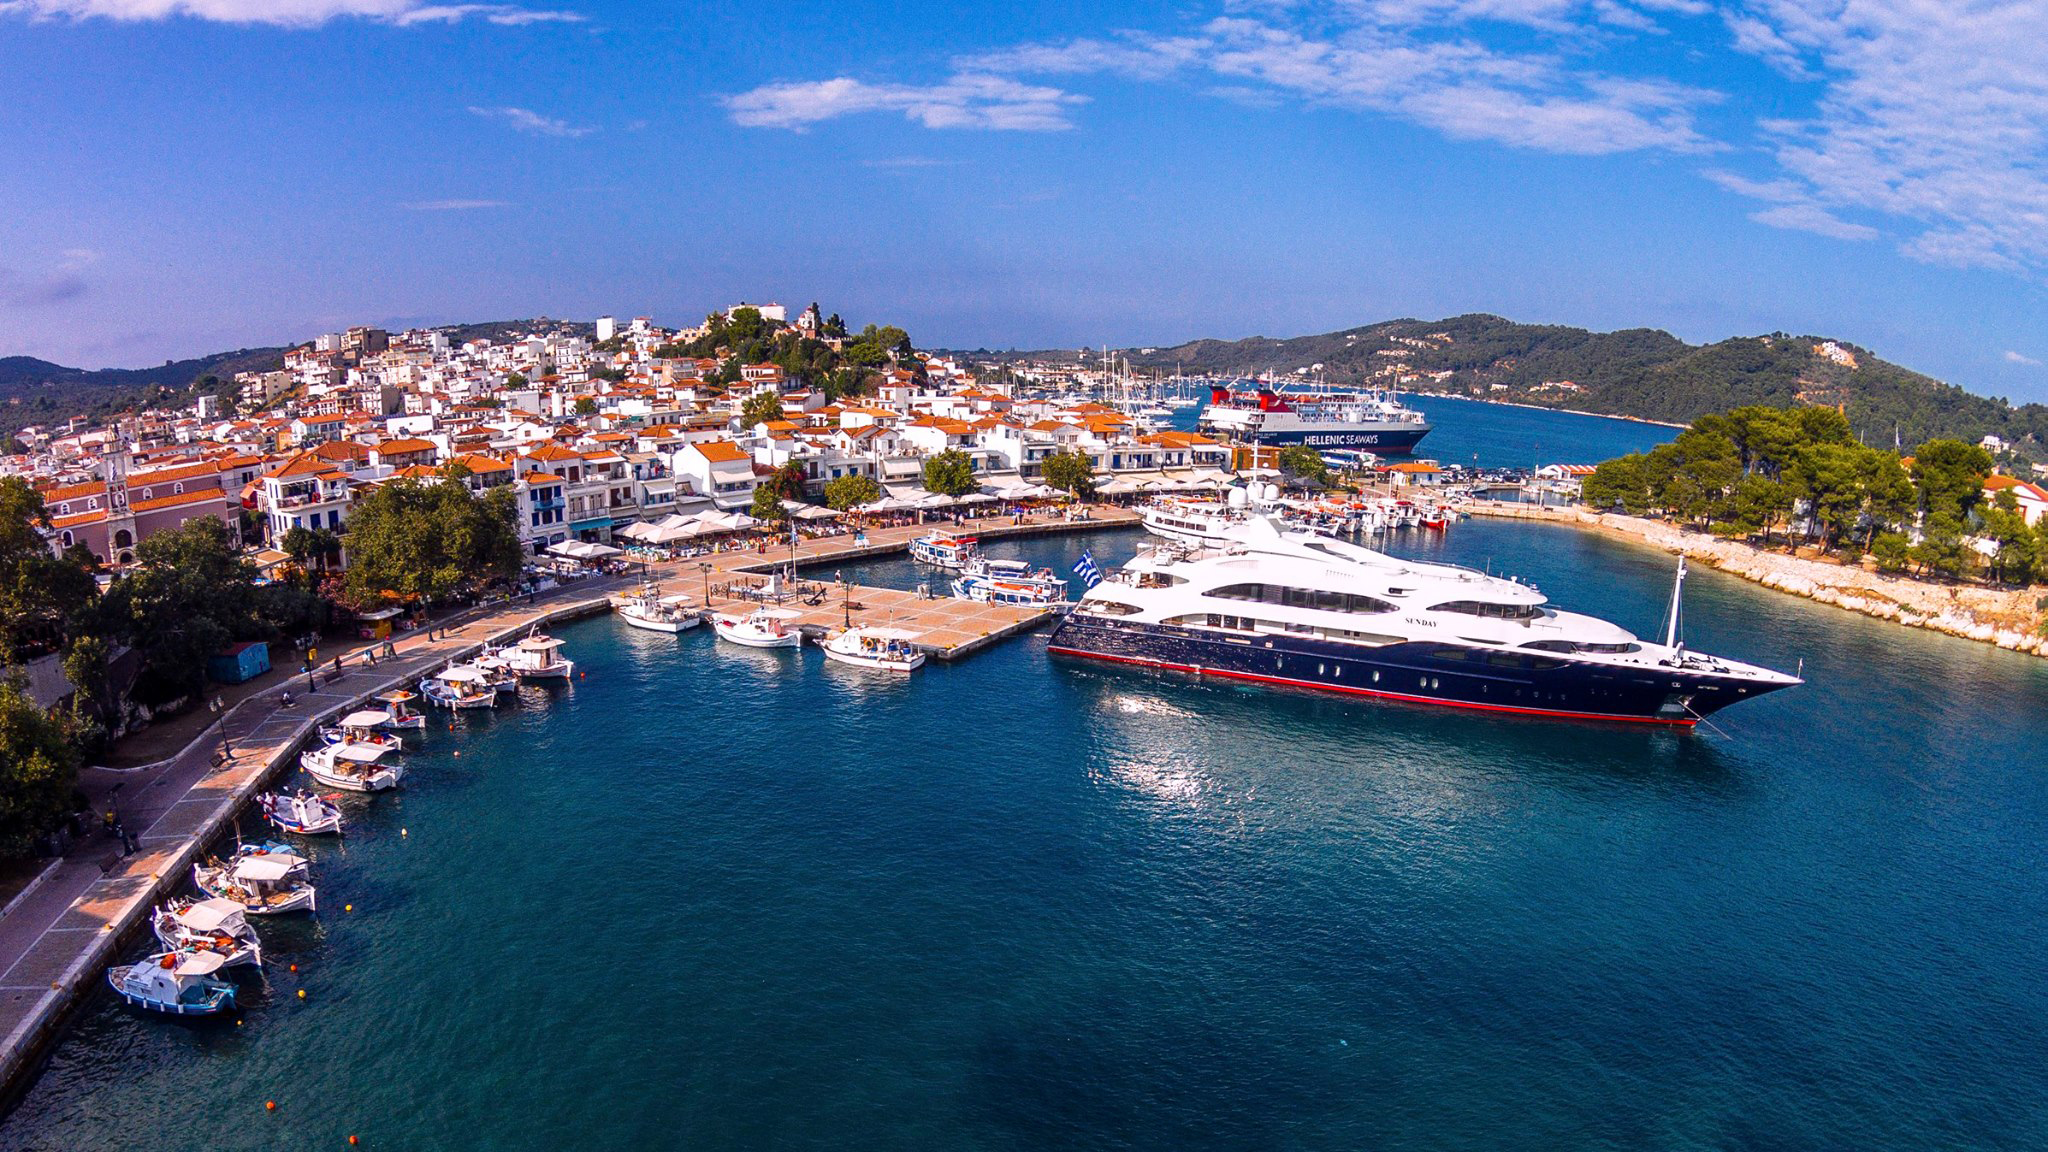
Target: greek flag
x,y
1085,570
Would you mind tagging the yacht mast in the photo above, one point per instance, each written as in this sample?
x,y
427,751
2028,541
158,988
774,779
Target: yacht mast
x,y
1673,632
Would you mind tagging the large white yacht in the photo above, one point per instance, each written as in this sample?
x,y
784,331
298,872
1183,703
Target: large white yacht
x,y
1287,607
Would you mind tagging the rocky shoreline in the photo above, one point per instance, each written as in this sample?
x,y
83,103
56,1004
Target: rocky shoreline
x,y
2009,618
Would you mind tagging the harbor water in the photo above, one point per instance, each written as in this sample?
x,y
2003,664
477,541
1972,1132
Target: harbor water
x,y
705,897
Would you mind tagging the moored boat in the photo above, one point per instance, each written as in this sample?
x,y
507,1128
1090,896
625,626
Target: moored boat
x,y
398,704
352,767
460,686
650,610
178,983
943,550
213,925
761,628
362,727
303,814
538,657
262,883
883,649
987,581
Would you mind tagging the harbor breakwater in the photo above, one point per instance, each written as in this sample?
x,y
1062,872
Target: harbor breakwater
x,y
2009,618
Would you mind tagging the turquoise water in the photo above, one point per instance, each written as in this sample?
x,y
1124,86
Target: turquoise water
x,y
714,898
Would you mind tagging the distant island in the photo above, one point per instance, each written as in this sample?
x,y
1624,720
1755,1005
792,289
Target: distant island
x,y
1637,372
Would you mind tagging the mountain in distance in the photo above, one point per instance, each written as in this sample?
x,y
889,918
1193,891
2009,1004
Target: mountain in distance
x,y
1637,372
36,391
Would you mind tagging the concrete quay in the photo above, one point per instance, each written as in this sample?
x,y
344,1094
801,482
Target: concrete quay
x,y
89,906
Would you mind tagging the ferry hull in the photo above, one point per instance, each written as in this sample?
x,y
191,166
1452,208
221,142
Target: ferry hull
x,y
1398,441
1423,673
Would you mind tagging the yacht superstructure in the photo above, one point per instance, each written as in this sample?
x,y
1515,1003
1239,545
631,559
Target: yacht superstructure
x,y
1295,608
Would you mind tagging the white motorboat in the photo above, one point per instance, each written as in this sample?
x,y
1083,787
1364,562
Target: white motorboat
x,y
987,581
212,925
761,628
398,705
460,686
538,657
649,609
265,883
179,983
886,649
352,767
362,727
303,814
497,669
943,550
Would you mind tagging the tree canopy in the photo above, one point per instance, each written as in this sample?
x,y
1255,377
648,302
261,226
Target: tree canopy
x,y
950,472
760,408
189,595
1305,463
428,541
851,492
1069,472
42,597
38,770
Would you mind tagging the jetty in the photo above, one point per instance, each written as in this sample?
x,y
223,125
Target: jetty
x,y
61,932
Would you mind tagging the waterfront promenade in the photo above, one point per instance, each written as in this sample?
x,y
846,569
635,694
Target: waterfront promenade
x,y
59,935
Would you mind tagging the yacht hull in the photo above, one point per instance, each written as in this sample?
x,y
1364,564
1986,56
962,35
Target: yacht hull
x,y
1419,672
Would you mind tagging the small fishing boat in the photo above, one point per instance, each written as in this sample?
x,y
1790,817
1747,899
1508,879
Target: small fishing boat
x,y
886,649
461,686
364,727
262,883
649,609
943,550
303,814
398,705
178,983
988,581
761,628
538,657
352,767
212,925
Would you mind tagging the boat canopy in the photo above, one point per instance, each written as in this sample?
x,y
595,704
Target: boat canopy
x,y
367,718
398,697
274,866
677,600
210,915
888,633
361,753
539,643
776,614
198,963
462,675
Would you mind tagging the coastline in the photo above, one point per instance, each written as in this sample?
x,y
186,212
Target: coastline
x,y
1546,408
2008,618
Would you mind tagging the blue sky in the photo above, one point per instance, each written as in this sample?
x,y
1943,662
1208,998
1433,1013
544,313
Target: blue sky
x,y
180,176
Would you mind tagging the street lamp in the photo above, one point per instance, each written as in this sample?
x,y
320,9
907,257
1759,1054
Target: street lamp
x,y
705,567
845,600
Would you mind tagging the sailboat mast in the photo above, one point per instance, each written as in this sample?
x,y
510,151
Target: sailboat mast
x,y
1673,631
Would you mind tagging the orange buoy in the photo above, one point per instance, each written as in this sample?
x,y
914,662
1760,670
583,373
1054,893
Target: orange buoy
x,y
295,967
270,1105
351,1139
348,907
302,993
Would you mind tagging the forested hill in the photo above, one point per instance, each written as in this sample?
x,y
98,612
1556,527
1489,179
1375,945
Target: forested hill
x,y
1637,372
36,391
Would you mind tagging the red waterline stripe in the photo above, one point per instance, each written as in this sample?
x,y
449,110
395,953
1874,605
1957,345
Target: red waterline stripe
x,y
1374,692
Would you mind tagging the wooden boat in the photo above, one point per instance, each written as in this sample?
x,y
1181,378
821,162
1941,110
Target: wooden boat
x,y
352,767
761,628
212,925
263,883
882,649
303,814
177,983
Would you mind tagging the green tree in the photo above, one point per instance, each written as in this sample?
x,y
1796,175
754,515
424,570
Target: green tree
x,y
38,770
43,597
767,504
1760,503
1941,551
851,492
2005,526
516,380
189,594
1623,481
586,406
760,408
429,541
1069,472
1304,463
1891,550
788,481
1950,476
950,472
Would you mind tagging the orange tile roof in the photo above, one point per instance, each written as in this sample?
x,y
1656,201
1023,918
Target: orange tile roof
x,y
722,451
203,495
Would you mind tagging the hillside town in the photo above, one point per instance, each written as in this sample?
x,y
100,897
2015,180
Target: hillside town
x,y
592,433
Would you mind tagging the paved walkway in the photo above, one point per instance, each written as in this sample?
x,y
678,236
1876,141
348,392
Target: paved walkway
x,y
57,938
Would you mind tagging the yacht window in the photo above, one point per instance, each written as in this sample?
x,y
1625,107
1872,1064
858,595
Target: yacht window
x,y
1322,599
1570,646
1490,610
1106,608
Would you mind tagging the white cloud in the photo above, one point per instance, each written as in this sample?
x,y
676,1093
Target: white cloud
x,y
1934,115
529,121
967,100
284,13
453,205
1813,218
2016,358
56,285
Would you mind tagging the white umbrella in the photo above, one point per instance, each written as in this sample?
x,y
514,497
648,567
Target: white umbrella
x,y
639,531
977,498
816,513
937,500
1119,487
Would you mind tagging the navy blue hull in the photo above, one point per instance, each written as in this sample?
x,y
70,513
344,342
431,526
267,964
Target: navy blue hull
x,y
1430,673
1396,441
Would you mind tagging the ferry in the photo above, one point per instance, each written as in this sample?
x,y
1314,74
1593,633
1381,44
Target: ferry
x,y
1293,608
1371,421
